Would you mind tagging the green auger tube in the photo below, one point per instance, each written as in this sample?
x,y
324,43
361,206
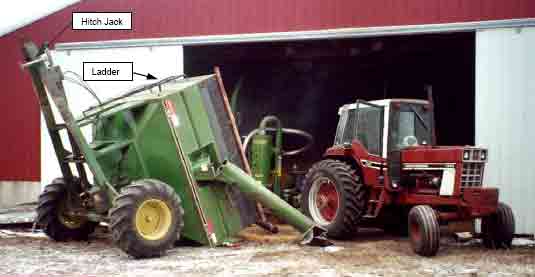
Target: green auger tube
x,y
313,234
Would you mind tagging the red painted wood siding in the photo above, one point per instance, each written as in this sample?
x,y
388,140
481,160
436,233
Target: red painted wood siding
x,y
19,113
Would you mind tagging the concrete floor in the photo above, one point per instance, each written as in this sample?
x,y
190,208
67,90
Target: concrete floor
x,y
372,254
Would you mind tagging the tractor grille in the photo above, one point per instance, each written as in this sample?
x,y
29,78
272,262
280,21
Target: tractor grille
x,y
472,174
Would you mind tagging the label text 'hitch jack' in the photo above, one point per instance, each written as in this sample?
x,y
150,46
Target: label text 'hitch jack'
x,y
102,21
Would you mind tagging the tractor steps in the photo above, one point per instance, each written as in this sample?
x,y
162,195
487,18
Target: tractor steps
x,y
375,205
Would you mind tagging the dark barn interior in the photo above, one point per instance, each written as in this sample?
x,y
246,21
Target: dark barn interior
x,y
304,83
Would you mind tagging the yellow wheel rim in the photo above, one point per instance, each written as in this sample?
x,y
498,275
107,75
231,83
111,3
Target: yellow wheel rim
x,y
153,219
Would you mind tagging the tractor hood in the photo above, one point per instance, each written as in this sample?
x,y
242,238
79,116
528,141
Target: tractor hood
x,y
433,154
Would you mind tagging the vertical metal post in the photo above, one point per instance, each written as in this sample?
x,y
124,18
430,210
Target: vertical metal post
x,y
429,89
278,162
357,114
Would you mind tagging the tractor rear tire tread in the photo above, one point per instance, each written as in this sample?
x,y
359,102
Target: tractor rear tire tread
x,y
122,218
47,214
425,218
352,193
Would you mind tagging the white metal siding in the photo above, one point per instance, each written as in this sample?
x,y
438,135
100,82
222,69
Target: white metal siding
x,y
505,116
160,61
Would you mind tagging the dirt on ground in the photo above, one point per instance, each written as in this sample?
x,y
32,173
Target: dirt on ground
x,y
23,253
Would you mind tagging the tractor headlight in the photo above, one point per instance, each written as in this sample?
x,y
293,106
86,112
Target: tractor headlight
x,y
483,155
435,181
466,155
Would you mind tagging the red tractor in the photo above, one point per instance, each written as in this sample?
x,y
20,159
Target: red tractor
x,y
386,170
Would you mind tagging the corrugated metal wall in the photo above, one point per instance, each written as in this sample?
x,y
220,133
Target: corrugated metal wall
x,y
19,114
505,116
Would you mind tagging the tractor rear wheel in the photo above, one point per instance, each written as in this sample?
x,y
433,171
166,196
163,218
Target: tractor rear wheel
x,y
499,228
51,214
334,197
147,218
424,230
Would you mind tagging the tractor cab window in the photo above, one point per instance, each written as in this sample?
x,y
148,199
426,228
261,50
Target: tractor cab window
x,y
345,129
364,123
411,125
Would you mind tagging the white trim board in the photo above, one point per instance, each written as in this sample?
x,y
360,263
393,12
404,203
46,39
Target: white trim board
x,y
16,192
302,35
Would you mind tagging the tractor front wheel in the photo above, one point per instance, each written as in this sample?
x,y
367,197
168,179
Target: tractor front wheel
x,y
146,219
424,230
52,216
334,197
499,228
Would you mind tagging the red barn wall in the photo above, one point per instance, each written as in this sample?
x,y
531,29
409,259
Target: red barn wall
x,y
19,112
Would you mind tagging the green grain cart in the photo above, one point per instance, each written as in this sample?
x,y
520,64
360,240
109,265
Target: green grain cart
x,y
166,161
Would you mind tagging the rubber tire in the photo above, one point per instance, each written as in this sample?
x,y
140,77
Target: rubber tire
x,y
353,198
425,219
122,218
499,228
47,213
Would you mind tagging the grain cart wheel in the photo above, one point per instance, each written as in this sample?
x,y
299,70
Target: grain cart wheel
x,y
498,229
51,213
334,197
146,218
424,230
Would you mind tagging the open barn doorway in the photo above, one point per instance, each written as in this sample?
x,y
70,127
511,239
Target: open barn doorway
x,y
305,82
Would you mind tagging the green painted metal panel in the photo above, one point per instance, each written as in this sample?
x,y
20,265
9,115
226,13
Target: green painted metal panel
x,y
193,131
262,158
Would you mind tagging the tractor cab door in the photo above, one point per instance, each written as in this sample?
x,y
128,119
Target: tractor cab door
x,y
410,124
362,121
369,126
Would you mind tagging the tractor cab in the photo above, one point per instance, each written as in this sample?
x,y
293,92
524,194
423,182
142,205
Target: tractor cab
x,y
386,126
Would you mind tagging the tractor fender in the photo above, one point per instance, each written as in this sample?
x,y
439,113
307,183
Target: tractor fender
x,y
350,155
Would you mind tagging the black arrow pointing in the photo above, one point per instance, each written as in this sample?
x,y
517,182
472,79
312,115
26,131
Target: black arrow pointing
x,y
148,76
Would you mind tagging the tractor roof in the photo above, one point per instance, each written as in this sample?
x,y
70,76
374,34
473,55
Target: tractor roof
x,y
385,102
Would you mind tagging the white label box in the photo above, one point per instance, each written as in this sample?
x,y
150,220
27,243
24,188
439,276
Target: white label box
x,y
102,21
108,71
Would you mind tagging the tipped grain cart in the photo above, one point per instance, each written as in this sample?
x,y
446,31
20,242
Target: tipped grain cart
x,y
166,162
386,170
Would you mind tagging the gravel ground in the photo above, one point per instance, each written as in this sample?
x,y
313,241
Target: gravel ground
x,y
372,254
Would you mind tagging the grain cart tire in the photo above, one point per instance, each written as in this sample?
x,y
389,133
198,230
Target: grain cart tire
x,y
334,197
424,230
146,219
53,221
499,228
